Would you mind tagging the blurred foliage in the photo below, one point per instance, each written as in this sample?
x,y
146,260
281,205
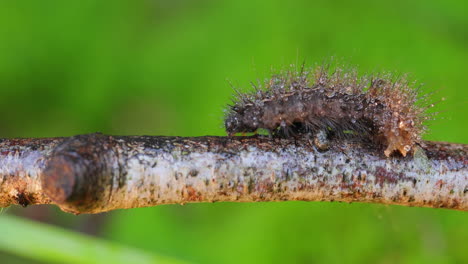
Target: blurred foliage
x,y
54,245
160,67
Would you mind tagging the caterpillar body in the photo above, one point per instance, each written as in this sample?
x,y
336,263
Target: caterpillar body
x,y
385,110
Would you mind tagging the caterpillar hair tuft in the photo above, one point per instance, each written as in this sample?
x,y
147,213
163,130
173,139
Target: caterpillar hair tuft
x,y
386,110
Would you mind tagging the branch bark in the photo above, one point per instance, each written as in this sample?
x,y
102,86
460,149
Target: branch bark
x,y
97,173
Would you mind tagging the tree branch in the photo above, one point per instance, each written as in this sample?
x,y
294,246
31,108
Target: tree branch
x,y
97,173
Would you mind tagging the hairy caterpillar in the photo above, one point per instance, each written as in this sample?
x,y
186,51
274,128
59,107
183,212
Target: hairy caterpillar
x,y
341,104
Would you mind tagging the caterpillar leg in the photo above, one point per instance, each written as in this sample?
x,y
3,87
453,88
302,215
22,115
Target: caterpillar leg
x,y
321,141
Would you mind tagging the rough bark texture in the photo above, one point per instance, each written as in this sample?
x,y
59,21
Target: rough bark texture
x,y
97,173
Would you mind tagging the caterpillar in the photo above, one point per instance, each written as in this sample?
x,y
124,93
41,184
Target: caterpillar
x,y
337,103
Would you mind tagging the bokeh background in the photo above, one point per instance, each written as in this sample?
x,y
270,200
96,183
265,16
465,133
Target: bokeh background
x,y
161,68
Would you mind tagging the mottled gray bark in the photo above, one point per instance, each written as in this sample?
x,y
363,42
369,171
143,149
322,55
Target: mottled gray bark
x,y
96,173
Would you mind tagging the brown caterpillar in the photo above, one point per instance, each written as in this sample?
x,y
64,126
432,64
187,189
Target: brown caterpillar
x,y
385,110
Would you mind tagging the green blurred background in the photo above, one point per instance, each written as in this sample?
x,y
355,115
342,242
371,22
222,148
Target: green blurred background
x,y
161,68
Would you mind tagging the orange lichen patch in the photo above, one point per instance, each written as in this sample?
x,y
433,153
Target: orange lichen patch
x,y
19,190
191,194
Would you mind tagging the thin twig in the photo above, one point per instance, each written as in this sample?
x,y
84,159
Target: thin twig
x,y
97,173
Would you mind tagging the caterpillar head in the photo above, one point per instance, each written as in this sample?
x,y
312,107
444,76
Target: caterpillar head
x,y
242,119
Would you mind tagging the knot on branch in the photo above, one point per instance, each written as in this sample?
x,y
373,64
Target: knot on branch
x,y
78,172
